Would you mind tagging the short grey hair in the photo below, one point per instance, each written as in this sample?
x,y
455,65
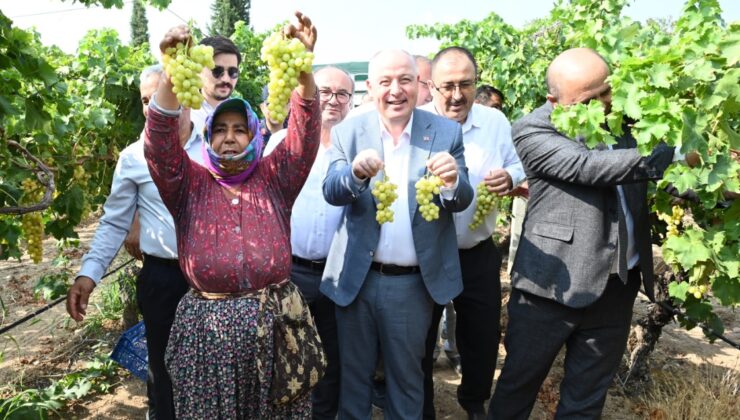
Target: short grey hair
x,y
372,64
150,71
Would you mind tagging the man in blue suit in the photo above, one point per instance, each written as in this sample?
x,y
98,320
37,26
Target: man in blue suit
x,y
385,278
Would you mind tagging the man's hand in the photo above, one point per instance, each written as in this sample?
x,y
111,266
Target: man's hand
x,y
445,167
521,191
78,296
179,33
498,181
367,163
131,243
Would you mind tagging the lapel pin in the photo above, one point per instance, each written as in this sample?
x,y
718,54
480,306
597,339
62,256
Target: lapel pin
x,y
426,138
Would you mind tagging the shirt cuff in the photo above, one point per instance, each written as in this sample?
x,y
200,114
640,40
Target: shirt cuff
x,y
677,155
448,193
94,271
169,112
516,177
358,181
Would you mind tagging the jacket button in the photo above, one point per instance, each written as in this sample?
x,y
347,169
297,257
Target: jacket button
x,y
372,253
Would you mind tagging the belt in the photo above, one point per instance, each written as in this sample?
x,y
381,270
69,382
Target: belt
x,y
200,294
163,261
394,270
315,265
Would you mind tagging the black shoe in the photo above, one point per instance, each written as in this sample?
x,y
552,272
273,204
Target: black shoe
x,y
378,397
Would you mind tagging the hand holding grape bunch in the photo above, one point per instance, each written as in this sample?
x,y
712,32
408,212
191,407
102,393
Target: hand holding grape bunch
x,y
426,188
288,54
183,62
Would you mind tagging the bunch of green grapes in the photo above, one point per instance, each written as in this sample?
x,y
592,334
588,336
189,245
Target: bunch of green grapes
x,y
672,221
32,223
81,177
286,59
485,202
183,64
385,193
426,188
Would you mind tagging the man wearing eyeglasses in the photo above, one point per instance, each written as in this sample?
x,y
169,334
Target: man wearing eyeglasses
x,y
312,225
219,82
491,159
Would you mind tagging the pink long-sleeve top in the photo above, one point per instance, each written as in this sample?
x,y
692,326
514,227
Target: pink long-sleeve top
x,y
225,247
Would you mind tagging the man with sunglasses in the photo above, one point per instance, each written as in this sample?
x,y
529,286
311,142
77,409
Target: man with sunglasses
x,y
219,82
491,159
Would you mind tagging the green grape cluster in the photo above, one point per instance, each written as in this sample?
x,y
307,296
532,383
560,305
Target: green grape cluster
x,y
287,58
426,188
672,221
385,193
184,66
485,202
32,223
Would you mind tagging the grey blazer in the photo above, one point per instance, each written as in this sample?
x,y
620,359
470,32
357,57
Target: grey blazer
x,y
356,239
570,233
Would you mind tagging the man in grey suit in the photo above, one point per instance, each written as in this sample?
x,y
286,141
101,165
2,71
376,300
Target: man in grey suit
x,y
584,249
385,278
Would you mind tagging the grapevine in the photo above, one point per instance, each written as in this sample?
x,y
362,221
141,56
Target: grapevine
x,y
32,223
183,64
286,59
485,202
384,192
426,187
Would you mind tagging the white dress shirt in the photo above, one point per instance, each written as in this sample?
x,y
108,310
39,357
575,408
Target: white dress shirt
x,y
198,116
488,145
396,243
133,189
313,220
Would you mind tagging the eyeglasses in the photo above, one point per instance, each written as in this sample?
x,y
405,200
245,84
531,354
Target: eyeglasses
x,y
448,89
423,83
218,71
342,97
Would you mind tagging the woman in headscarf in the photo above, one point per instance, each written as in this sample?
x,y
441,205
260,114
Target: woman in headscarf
x,y
233,237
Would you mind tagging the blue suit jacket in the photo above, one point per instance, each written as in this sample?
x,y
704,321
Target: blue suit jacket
x,y
356,239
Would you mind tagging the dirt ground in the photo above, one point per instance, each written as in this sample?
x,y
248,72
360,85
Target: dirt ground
x,y
51,344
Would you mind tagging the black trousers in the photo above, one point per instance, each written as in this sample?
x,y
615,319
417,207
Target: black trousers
x,y
325,396
159,288
595,338
478,329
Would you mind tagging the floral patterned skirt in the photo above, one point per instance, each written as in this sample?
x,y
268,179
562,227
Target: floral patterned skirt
x,y
215,358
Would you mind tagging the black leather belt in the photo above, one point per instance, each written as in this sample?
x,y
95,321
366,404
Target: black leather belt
x,y
163,261
312,264
394,270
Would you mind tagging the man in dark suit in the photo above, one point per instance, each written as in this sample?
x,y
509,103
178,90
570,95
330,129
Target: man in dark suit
x,y
385,278
584,250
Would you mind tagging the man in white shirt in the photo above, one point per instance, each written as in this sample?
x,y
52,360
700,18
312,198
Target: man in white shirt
x,y
384,279
220,81
161,284
313,222
492,159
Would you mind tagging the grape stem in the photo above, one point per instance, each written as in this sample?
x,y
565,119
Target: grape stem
x,y
45,177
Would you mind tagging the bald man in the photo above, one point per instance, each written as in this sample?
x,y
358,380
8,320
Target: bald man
x,y
385,278
584,250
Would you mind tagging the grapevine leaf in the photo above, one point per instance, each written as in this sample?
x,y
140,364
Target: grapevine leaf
x,y
688,249
683,178
730,48
632,102
721,174
698,309
701,70
660,75
729,85
692,137
678,290
729,263
35,115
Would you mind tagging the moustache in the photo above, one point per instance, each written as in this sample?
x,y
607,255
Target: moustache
x,y
224,84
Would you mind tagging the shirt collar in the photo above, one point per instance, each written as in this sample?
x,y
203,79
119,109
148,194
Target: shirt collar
x,y
406,130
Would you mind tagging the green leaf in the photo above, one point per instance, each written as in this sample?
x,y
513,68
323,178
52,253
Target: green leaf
x,y
701,70
683,178
678,290
35,114
661,75
688,249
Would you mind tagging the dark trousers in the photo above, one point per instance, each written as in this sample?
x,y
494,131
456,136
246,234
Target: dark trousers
x,y
594,336
159,288
325,396
478,329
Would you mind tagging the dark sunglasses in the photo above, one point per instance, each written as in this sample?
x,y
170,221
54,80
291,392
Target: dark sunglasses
x,y
218,71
